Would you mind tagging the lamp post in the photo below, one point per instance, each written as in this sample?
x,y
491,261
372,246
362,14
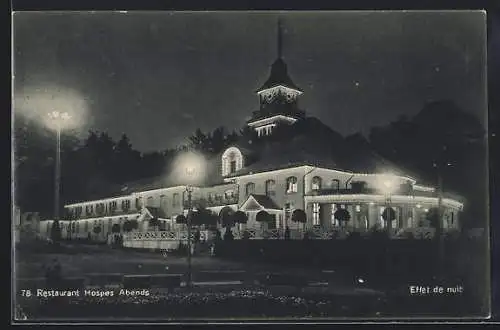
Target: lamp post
x,y
58,118
388,185
189,190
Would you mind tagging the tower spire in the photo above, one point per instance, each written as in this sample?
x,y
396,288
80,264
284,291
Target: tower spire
x,y
280,38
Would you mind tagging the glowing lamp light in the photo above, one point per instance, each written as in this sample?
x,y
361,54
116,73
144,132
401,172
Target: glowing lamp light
x,y
418,206
189,168
387,183
426,210
360,280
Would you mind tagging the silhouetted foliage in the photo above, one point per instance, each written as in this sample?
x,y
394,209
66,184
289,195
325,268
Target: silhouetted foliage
x,y
299,216
130,225
115,228
343,216
263,216
181,219
55,231
97,230
240,217
203,216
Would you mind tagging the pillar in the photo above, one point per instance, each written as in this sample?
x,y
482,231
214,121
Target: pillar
x,y
325,215
309,214
372,215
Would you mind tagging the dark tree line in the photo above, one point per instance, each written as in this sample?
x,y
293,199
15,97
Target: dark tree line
x,y
441,138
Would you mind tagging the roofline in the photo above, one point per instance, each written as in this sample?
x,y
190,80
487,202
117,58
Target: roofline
x,y
261,90
117,198
252,123
308,166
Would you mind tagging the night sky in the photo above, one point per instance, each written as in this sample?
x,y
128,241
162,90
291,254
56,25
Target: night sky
x,y
159,76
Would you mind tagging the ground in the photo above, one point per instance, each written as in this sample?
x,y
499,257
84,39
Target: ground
x,y
224,288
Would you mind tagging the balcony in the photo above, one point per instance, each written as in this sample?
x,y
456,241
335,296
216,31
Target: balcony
x,y
371,191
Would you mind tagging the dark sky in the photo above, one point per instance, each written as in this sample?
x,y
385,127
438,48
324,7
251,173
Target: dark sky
x,y
159,76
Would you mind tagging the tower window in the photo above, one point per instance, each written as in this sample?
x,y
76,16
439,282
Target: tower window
x,y
232,166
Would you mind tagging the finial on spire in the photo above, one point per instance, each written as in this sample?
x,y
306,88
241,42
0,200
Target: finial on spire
x,y
280,37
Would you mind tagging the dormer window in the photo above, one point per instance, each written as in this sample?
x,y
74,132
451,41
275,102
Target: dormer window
x,y
232,161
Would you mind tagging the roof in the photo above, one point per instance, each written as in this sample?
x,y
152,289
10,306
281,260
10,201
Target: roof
x,y
308,148
279,76
265,202
156,212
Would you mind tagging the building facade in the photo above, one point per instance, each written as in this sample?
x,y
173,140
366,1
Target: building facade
x,y
277,179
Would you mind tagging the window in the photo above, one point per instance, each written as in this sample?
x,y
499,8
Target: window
x,y
163,203
249,188
110,224
175,200
335,222
270,188
210,197
126,205
229,194
291,185
77,227
288,211
315,217
232,166
316,183
232,161
86,226
335,184
358,208
149,201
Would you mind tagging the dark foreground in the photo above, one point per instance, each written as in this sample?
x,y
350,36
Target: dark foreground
x,y
333,296
244,303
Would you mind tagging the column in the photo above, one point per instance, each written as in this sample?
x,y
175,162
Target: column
x,y
372,215
325,215
309,214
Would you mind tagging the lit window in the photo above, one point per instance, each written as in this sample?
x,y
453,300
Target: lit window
x,y
232,161
270,187
335,222
291,185
316,183
358,208
229,194
335,184
315,217
250,188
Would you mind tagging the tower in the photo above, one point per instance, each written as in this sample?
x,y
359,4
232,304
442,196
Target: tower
x,y
278,96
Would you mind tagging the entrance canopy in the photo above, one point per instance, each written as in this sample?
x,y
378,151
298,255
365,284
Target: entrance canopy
x,y
258,203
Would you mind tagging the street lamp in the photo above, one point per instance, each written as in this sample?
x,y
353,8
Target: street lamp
x,y
190,167
190,172
59,119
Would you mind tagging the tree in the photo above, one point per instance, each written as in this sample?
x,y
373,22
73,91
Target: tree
x,y
203,217
343,216
55,231
299,216
115,228
389,215
226,217
181,219
240,217
130,225
433,217
263,217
